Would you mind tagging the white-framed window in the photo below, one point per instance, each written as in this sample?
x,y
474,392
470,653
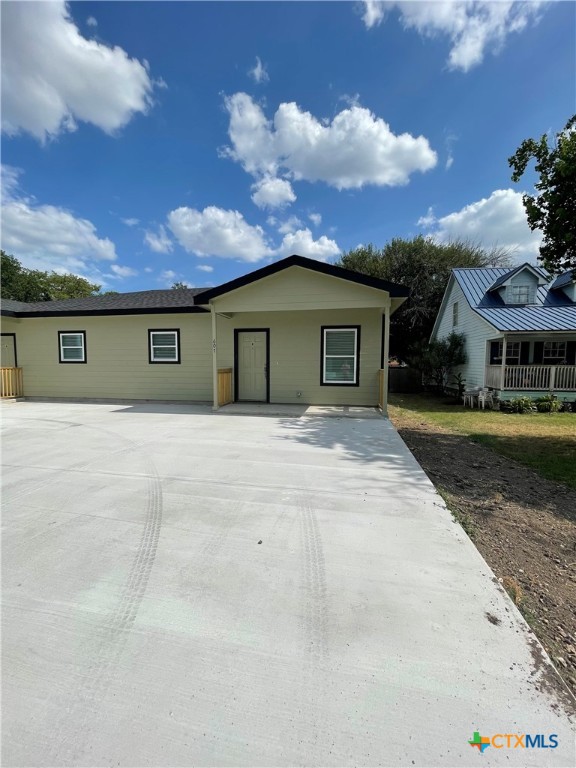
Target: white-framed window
x,y
521,294
512,352
554,351
164,345
72,346
455,314
340,355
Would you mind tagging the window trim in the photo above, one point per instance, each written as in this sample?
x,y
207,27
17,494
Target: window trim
x,y
455,318
84,351
553,357
323,329
151,361
531,294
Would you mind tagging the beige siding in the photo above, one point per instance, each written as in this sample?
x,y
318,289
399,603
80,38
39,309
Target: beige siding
x,y
117,358
298,288
476,330
295,359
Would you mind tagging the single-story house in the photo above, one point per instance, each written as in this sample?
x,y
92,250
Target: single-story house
x,y
295,331
520,329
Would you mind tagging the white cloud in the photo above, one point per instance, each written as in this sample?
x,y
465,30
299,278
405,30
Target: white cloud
x,y
48,237
316,219
217,232
53,77
148,270
471,25
498,220
130,222
205,268
122,272
159,242
258,73
272,193
354,149
290,225
302,243
91,21
168,275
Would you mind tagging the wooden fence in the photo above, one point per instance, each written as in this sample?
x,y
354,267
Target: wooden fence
x,y
11,382
224,386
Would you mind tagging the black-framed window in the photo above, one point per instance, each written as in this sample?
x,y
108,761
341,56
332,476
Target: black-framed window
x,y
340,356
164,345
72,346
554,352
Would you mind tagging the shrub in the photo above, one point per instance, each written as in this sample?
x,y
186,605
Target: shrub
x,y
518,405
548,404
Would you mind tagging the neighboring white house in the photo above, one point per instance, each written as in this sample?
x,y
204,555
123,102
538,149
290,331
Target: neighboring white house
x,y
520,329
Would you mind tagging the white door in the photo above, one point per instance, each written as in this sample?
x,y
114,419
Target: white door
x,y
252,365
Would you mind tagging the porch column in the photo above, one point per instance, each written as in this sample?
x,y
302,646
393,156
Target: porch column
x,y
503,368
214,359
386,354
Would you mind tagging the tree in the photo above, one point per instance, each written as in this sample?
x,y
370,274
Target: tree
x,y
179,286
437,359
553,209
424,267
21,284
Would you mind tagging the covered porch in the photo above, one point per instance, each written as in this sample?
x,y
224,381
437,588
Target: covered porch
x,y
531,363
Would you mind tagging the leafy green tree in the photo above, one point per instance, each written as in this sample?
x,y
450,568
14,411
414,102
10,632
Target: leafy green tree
x,y
21,284
439,357
553,208
424,267
178,286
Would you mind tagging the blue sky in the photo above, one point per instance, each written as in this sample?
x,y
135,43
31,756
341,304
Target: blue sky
x,y
145,143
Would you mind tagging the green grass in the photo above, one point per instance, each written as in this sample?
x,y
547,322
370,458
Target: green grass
x,y
544,442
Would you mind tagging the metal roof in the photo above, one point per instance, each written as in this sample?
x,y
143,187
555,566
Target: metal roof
x,y
554,311
564,279
508,273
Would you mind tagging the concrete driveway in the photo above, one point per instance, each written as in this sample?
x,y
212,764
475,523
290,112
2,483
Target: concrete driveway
x,y
187,588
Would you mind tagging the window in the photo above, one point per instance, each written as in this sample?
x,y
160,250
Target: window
x,y
554,352
512,353
164,345
521,294
455,314
72,346
340,359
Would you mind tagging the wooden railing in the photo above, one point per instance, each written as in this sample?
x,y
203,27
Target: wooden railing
x,y
224,386
550,378
11,382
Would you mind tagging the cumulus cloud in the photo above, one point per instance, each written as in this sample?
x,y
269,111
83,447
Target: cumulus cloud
x,y
205,268
291,224
217,232
355,148
316,219
498,220
122,272
159,241
272,193
48,237
258,73
91,21
302,243
53,77
471,25
130,222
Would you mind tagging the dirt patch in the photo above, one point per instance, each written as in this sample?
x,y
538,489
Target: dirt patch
x,y
524,526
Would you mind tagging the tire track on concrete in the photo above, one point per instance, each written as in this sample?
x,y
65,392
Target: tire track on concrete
x,y
76,728
315,626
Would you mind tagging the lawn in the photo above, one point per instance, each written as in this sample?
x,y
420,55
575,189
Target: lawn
x,y
541,441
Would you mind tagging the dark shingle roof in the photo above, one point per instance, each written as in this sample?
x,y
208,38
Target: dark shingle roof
x,y
553,312
183,299
138,302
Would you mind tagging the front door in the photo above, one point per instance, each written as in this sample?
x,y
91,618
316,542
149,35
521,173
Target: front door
x,y
252,365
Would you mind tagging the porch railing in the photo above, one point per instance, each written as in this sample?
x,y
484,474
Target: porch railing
x,y
224,386
11,383
550,378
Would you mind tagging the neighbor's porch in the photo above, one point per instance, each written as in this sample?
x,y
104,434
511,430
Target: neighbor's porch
x,y
531,363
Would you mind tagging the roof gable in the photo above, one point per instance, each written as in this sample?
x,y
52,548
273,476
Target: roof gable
x,y
535,273
395,290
